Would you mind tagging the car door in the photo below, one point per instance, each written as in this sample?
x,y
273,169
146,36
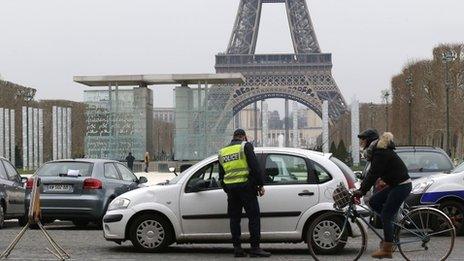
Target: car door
x,y
15,189
113,181
291,189
128,178
204,211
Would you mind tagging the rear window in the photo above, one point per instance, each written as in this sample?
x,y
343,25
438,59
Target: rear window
x,y
347,172
425,161
56,169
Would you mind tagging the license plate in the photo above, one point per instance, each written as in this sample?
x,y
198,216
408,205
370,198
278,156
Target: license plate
x,y
58,188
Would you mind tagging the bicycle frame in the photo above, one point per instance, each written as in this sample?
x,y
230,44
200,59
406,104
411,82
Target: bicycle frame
x,y
352,213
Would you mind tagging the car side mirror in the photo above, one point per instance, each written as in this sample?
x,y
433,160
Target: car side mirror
x,y
359,175
173,170
23,180
199,185
142,180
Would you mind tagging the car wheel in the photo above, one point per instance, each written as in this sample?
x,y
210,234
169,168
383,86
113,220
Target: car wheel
x,y
2,216
150,233
330,224
455,211
81,222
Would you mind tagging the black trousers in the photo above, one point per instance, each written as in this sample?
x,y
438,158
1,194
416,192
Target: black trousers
x,y
238,198
387,202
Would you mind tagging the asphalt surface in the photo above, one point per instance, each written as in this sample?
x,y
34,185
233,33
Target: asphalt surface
x,y
89,244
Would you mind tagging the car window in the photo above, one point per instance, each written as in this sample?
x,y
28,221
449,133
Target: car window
x,y
126,174
110,171
2,171
347,172
10,171
285,169
425,161
209,173
62,168
321,174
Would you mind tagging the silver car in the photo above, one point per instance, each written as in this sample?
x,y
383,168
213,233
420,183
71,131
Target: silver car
x,y
80,190
11,193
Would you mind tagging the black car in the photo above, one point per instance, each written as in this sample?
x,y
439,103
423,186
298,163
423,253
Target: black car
x,y
12,194
423,161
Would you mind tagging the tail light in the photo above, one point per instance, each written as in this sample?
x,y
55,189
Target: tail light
x,y
29,183
351,184
92,183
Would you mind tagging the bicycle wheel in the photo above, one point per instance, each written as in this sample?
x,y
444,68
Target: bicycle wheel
x,y
327,238
425,234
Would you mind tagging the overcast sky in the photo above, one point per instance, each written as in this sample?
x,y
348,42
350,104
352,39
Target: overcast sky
x,y
43,44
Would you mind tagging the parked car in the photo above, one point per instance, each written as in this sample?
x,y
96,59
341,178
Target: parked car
x,y
11,193
192,207
445,191
424,161
80,190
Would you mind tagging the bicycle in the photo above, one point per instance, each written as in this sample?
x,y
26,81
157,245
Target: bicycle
x,y
421,233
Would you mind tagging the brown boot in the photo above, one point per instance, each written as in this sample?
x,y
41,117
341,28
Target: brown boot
x,y
385,251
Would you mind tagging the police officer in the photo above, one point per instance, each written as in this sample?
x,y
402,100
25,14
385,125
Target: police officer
x,y
242,180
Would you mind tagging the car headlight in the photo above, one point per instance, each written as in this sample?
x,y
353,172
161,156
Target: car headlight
x,y
119,203
422,187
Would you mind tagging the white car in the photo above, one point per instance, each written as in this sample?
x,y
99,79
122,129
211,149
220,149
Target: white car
x,y
445,191
192,208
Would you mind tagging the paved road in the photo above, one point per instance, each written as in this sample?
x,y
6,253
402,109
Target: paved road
x,y
88,244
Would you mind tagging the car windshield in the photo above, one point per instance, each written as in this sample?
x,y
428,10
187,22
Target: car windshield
x,y
55,169
425,161
347,172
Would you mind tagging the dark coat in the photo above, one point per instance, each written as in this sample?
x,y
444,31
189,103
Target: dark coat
x,y
385,164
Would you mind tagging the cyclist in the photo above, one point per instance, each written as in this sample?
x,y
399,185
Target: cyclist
x,y
386,165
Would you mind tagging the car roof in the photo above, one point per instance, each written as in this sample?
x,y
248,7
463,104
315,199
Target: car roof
x,y
84,160
292,150
419,148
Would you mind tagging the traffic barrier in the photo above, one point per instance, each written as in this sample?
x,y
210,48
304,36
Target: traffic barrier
x,y
34,215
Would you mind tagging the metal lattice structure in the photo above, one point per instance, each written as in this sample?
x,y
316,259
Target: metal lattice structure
x,y
304,76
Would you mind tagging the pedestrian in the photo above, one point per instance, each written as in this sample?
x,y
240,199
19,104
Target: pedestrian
x,y
387,165
241,178
130,161
146,161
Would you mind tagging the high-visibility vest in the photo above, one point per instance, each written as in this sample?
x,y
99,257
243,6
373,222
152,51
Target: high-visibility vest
x,y
234,163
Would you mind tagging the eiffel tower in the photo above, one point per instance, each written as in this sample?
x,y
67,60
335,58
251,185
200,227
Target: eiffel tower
x,y
304,76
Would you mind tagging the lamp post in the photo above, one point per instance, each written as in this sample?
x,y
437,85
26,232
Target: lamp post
x,y
385,97
448,57
409,82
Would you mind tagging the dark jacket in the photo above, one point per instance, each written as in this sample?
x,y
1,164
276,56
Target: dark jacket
x,y
384,164
255,178
130,161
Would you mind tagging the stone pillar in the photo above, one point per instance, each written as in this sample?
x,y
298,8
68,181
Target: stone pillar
x,y
12,137
325,127
287,127
355,131
55,132
69,133
7,133
25,136
35,120
40,133
2,133
296,137
265,123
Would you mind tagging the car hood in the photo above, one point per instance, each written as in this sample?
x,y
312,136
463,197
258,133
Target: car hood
x,y
434,177
419,175
150,193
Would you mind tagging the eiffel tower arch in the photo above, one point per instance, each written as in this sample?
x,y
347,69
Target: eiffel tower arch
x,y
304,76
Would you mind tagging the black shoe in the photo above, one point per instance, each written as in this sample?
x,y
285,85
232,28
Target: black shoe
x,y
258,252
238,252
